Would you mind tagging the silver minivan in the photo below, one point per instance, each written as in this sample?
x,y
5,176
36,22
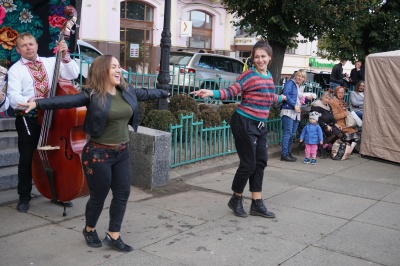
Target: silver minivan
x,y
203,70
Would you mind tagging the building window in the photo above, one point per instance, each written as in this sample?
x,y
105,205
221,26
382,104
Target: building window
x,y
136,36
201,31
136,10
290,51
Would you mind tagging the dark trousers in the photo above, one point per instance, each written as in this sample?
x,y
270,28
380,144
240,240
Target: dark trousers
x,y
252,149
27,144
106,169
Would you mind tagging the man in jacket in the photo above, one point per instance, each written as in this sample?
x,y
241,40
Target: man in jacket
x,y
356,74
337,76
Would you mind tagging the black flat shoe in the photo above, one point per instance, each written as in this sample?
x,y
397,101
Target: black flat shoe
x,y
116,244
23,206
287,159
68,204
92,239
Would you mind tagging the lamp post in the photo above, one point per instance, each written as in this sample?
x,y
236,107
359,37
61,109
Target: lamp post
x,y
163,75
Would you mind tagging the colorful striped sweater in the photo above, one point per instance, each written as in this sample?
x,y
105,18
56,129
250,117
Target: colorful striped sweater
x,y
257,91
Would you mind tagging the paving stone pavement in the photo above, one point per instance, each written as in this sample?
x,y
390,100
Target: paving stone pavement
x,y
332,213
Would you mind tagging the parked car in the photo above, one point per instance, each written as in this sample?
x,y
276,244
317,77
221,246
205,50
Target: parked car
x,y
207,68
322,77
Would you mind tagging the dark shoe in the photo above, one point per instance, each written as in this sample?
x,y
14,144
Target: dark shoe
x,y
116,244
92,239
23,206
287,159
236,205
291,156
258,209
62,203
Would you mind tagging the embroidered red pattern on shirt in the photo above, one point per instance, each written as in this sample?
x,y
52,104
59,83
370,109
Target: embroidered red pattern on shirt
x,y
39,75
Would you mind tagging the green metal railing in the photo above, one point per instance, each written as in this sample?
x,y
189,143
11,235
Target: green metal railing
x,y
190,142
141,80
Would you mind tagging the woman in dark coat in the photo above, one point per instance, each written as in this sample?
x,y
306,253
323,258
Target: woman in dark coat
x,y
332,130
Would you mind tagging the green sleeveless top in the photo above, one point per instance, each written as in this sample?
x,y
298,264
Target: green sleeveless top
x,y
116,128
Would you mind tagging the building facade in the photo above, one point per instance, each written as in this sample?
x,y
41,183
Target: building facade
x,y
131,31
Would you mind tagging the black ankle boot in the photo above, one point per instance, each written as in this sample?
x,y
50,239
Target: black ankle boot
x,y
258,209
236,205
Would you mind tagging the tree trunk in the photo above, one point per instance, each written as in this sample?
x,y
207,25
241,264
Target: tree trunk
x,y
275,66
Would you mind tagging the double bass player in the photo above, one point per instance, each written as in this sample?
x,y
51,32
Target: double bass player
x,y
29,79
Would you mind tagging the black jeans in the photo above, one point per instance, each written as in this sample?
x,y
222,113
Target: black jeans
x,y
106,169
252,149
27,144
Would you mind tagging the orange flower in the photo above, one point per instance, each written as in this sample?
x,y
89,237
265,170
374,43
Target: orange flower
x,y
8,37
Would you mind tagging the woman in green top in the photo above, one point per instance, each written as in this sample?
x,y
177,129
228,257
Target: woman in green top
x,y
111,105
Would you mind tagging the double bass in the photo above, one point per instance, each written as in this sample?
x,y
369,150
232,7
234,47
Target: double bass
x,y
56,167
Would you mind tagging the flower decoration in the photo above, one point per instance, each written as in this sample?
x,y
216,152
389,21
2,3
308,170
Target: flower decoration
x,y
2,14
8,38
25,16
8,5
18,16
56,21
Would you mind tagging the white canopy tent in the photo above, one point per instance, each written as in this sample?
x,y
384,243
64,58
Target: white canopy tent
x,y
381,118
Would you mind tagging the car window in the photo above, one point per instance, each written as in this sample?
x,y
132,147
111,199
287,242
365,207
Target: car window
x,y
205,62
88,54
180,59
222,64
237,67
309,77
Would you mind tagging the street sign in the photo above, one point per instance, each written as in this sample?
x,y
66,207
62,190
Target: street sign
x,y
186,29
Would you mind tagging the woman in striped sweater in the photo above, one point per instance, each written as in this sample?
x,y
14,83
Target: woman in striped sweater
x,y
248,128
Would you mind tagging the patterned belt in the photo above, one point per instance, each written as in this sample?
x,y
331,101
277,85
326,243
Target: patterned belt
x,y
110,147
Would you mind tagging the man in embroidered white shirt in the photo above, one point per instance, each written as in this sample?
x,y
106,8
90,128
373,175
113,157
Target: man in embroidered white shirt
x,y
28,79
